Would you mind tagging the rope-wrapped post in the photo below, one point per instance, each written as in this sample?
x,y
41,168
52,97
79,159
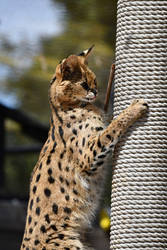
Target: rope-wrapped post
x,y
139,184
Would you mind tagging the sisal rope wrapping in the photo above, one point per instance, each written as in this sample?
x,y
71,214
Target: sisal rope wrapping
x,y
139,185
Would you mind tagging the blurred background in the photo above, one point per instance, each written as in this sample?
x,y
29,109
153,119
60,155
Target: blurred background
x,y
34,37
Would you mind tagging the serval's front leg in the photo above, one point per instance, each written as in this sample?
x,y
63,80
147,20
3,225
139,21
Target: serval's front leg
x,y
99,146
109,137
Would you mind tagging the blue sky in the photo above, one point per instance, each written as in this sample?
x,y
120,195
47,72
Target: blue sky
x,y
29,18
26,20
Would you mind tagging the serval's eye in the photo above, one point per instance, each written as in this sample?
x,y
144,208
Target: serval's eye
x,y
85,86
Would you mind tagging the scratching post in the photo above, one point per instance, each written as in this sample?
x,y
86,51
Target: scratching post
x,y
139,185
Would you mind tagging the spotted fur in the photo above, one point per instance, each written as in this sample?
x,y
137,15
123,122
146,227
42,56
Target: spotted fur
x,y
68,177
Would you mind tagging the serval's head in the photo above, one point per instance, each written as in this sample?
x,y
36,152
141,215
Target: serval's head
x,y
73,81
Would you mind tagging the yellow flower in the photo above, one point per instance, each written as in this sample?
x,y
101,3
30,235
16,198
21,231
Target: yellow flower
x,y
104,220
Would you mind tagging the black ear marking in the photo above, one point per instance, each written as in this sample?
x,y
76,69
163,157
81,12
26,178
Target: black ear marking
x,y
86,52
81,54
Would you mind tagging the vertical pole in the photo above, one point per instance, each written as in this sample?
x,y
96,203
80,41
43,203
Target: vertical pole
x,y
139,185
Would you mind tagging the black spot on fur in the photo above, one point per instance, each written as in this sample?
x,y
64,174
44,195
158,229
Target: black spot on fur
x,y
67,197
68,125
31,204
74,182
61,133
38,177
29,219
72,151
36,242
94,153
59,165
67,182
62,154
55,208
47,192
75,191
99,163
53,133
73,117
65,225
26,239
48,160
67,210
49,171
43,229
53,149
37,211
47,218
108,136
67,169
83,142
102,156
57,244
47,240
74,131
75,200
61,236
37,199
57,114
54,227
62,190
91,148
34,189
72,138
40,166
99,128
61,179
51,180
103,149
45,148
99,143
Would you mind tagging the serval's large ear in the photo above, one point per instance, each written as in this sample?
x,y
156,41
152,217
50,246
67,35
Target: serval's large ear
x,y
70,68
84,54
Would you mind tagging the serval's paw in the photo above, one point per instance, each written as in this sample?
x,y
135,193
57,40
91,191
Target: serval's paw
x,y
140,106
